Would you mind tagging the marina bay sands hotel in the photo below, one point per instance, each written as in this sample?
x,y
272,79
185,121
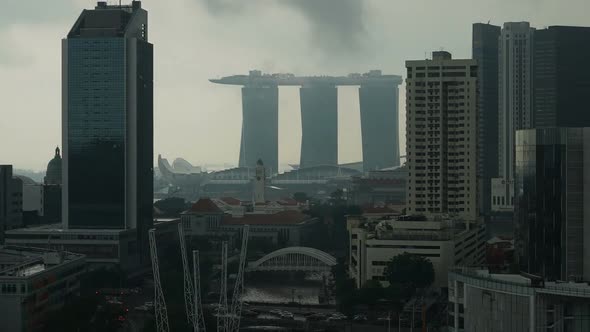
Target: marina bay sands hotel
x,y
378,96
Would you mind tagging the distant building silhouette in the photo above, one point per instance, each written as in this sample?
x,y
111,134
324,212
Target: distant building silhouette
x,y
485,52
53,173
378,98
11,200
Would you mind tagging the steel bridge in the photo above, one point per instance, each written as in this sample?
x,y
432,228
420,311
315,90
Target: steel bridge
x,y
294,259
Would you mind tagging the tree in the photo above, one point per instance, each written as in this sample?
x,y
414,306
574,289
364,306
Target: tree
x,y
300,197
410,272
172,206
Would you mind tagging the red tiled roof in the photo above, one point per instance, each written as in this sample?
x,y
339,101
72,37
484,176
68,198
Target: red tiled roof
x,y
205,205
231,201
280,218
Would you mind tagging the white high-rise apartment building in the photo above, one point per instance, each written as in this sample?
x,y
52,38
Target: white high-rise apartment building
x,y
441,136
515,104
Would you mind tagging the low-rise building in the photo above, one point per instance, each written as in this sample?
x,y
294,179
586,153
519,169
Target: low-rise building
x,y
33,282
482,301
373,243
282,225
102,247
383,187
11,200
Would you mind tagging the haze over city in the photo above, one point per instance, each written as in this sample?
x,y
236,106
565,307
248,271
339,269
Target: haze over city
x,y
202,39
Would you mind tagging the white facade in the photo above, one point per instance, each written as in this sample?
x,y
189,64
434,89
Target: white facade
x,y
441,131
502,195
481,301
374,243
514,106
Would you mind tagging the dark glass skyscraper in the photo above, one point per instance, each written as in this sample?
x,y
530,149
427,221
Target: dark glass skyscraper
x,y
260,127
485,52
108,120
319,125
561,77
552,206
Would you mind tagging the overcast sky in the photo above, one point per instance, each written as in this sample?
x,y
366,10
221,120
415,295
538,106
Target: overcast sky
x,y
200,39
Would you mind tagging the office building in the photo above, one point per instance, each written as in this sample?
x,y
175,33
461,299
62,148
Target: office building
x,y
485,52
53,172
561,76
52,202
441,130
107,122
515,91
446,243
319,125
34,282
552,209
483,301
11,200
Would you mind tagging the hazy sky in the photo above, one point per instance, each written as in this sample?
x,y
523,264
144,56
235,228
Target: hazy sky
x,y
200,39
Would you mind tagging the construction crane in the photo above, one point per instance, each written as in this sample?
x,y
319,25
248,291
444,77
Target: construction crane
x,y
159,303
222,313
236,304
198,314
189,305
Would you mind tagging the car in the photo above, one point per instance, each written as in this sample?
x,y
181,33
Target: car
x,y
249,313
276,312
287,315
149,304
339,315
317,316
359,318
335,318
142,308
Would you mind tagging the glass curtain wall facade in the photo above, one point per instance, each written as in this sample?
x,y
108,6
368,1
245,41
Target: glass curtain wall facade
x,y
551,207
485,52
108,121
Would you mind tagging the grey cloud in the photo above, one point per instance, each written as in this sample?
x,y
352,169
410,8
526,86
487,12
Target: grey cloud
x,y
34,11
335,25
218,7
29,12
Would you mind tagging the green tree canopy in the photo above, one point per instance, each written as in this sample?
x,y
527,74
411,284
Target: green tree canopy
x,y
410,271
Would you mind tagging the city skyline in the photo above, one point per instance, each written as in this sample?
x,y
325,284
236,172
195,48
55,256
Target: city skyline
x,y
200,122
